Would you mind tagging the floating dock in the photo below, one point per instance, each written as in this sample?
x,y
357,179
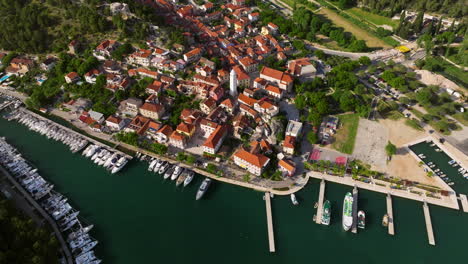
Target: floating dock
x,y
271,236
355,207
464,202
318,218
391,228
427,216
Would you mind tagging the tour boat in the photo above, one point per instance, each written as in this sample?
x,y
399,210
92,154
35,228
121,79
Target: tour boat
x,y
348,211
326,213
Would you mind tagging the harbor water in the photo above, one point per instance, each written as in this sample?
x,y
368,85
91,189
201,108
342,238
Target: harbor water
x,y
440,160
140,218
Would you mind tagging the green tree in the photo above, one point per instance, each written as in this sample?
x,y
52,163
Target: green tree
x,y
364,60
312,137
390,149
418,22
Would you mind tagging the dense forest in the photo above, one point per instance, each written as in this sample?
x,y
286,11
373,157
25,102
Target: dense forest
x,y
451,8
32,27
21,241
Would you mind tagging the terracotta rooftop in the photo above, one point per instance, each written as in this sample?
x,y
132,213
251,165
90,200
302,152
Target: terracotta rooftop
x,y
257,160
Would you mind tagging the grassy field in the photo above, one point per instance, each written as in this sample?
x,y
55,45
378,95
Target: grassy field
x,y
459,117
291,4
453,73
371,41
413,123
345,137
373,18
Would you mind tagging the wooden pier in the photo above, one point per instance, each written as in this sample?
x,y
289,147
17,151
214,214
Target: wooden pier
x,y
271,236
318,218
430,232
391,228
464,202
355,207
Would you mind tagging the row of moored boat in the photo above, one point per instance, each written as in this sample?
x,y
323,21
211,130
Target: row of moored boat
x,y
178,174
54,203
102,156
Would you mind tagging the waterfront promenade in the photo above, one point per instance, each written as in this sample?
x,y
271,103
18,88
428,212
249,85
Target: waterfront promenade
x,y
52,223
449,201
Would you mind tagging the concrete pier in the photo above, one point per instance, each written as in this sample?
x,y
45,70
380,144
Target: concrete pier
x,y
464,202
427,216
318,218
355,209
391,228
271,236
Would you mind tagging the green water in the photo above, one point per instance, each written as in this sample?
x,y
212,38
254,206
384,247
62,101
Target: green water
x,y
139,218
440,159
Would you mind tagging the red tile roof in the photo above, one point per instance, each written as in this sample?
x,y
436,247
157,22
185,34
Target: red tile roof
x,y
257,160
152,107
215,137
277,75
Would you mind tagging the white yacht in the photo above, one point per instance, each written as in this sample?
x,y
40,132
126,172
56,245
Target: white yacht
x,y
178,170
189,178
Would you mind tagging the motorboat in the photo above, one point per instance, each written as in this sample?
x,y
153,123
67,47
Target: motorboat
x,y
178,170
203,188
294,199
164,168
189,178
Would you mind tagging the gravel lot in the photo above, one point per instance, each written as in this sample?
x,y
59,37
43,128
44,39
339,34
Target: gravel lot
x,y
371,139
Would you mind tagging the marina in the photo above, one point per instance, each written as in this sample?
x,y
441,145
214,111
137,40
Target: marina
x,y
294,234
427,217
441,163
271,235
391,227
53,206
101,154
282,201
